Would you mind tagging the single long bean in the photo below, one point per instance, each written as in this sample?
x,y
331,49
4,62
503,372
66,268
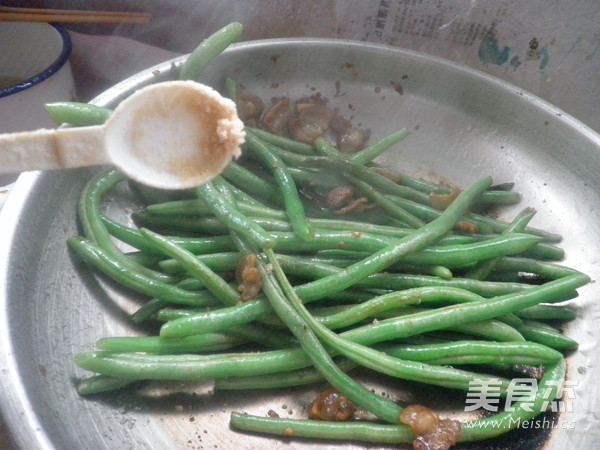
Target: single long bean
x,y
542,333
213,321
542,268
214,283
298,377
232,217
475,352
392,300
319,429
153,344
483,268
77,113
547,312
250,182
368,154
102,383
293,204
209,49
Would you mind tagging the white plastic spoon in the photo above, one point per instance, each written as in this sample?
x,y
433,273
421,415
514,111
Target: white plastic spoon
x,y
171,135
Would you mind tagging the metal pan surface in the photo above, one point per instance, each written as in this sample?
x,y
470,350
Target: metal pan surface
x,y
464,125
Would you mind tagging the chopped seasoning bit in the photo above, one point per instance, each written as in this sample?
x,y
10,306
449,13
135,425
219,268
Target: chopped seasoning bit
x,y
386,173
467,227
442,201
356,234
249,107
272,413
432,432
275,120
331,405
357,206
398,87
311,122
248,277
288,432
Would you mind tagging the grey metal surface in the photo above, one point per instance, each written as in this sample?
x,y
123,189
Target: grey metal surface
x,y
464,125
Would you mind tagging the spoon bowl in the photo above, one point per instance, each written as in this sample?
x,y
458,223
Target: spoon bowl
x,y
170,135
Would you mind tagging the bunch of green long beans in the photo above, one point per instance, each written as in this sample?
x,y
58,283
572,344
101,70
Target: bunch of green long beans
x,y
400,290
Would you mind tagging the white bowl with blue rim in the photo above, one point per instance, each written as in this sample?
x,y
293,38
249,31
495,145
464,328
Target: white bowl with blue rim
x,y
34,70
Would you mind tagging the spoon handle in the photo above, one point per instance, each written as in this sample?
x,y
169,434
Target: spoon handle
x,y
48,149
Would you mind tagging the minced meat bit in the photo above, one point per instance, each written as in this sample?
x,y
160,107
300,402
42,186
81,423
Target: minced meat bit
x,y
250,107
442,201
331,405
349,139
311,122
340,196
352,140
248,277
341,200
432,432
466,227
395,177
276,119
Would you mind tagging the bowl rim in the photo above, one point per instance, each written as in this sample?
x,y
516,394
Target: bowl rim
x,y
53,68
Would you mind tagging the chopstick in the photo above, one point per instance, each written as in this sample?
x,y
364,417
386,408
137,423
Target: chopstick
x,y
13,14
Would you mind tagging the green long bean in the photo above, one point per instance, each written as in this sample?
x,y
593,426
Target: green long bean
x,y
298,377
215,284
209,49
476,352
293,204
77,113
232,217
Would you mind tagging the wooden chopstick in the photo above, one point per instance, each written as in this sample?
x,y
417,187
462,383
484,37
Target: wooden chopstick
x,y
13,14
